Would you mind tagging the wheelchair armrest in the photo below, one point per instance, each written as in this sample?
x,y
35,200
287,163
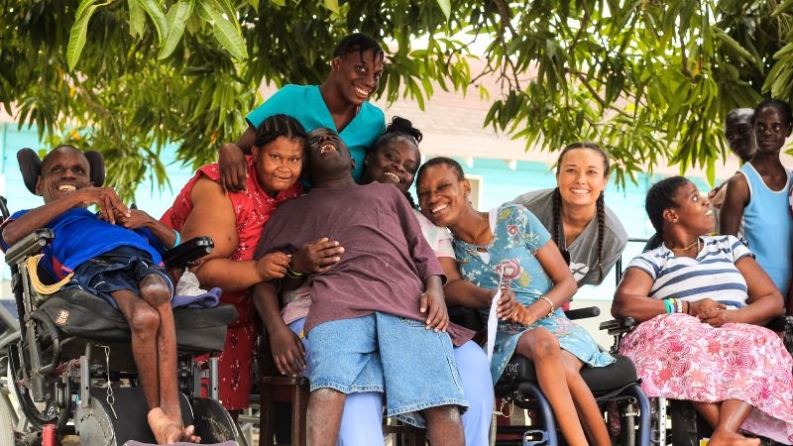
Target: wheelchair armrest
x,y
618,326
29,245
780,323
582,313
188,252
465,317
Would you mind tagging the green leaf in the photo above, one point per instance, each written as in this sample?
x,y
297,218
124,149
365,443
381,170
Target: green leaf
x,y
177,18
137,19
157,16
733,44
204,9
446,7
79,30
783,8
332,5
229,38
228,10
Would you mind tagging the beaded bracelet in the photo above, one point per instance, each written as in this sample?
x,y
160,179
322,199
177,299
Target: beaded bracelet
x,y
678,306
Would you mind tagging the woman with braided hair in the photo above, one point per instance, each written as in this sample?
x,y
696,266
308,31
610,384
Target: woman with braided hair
x,y
508,247
589,235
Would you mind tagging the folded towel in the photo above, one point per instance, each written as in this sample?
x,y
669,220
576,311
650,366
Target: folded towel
x,y
190,294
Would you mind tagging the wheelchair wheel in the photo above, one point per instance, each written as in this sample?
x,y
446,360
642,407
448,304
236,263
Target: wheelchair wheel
x,y
35,414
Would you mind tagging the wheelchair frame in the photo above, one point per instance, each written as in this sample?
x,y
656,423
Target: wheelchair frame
x,y
66,392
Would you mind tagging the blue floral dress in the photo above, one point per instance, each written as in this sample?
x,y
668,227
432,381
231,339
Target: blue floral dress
x,y
517,235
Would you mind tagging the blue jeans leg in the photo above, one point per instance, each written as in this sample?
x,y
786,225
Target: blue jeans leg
x,y
362,419
474,371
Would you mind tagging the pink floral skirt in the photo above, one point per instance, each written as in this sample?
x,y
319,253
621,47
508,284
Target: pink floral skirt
x,y
679,357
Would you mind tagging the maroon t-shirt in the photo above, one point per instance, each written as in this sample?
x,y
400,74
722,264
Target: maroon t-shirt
x,y
386,258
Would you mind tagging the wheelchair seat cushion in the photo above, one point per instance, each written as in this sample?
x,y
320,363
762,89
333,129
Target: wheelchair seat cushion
x,y
599,379
77,313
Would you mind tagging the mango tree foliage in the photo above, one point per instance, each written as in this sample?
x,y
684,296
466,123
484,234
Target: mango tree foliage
x,y
650,80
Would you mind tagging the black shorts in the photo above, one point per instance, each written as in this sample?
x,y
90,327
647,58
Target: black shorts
x,y
120,269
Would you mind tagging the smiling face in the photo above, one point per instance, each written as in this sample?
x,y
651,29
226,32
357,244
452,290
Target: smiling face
x,y
771,129
357,75
278,164
394,162
691,210
581,177
63,171
443,196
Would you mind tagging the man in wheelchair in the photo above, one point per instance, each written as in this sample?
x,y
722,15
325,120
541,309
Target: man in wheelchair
x,y
116,256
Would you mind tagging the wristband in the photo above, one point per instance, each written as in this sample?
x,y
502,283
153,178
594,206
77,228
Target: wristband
x,y
668,305
178,239
292,273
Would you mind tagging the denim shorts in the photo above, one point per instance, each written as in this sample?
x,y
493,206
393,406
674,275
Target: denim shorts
x,y
120,269
378,352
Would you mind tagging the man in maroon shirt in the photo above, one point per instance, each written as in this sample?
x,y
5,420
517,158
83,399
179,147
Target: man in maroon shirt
x,y
378,318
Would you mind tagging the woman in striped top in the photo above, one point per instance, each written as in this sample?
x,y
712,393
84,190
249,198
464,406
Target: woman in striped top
x,y
701,301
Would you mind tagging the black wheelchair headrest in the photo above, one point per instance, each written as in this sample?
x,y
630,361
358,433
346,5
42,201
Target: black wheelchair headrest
x,y
30,165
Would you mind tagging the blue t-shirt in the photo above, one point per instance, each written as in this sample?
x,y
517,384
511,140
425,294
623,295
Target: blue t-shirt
x,y
305,103
80,236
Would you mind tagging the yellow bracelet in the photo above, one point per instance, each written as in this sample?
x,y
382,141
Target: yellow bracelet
x,y
549,303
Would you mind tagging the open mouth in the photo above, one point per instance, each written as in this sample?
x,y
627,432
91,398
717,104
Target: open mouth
x,y
579,191
439,208
393,177
67,188
363,92
326,147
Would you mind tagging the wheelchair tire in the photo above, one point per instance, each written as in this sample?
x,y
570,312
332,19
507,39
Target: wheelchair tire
x,y
7,422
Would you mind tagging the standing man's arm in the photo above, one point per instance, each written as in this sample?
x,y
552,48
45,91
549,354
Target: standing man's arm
x,y
736,199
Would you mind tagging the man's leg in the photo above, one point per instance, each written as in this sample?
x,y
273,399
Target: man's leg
x,y
341,358
157,294
421,374
362,416
144,323
325,407
444,426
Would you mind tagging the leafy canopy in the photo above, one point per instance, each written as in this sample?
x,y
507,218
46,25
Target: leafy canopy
x,y
650,80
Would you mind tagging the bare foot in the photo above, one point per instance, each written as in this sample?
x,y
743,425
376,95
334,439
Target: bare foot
x,y
188,434
726,438
167,431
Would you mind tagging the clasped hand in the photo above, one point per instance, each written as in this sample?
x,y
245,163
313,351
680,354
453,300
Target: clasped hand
x,y
710,312
110,205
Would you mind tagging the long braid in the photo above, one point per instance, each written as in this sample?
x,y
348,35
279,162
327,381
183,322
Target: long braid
x,y
556,199
601,216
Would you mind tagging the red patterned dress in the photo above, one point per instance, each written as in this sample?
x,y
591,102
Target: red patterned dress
x,y
252,209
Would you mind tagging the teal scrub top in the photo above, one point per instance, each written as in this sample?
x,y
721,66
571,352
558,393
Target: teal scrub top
x,y
305,103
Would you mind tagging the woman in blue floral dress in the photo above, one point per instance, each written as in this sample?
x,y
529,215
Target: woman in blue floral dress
x,y
509,246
